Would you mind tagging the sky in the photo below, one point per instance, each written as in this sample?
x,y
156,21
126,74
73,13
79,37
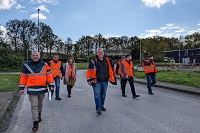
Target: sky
x,y
111,18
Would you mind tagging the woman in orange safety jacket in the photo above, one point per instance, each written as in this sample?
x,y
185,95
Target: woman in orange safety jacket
x,y
70,74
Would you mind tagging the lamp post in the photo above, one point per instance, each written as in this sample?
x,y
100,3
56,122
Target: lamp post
x,y
179,55
38,31
140,51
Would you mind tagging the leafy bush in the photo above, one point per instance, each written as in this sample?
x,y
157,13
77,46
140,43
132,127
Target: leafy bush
x,y
10,60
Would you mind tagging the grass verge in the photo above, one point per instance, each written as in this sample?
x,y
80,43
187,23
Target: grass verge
x,y
182,78
9,82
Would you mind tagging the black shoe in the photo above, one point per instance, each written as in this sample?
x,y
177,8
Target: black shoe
x,y
103,109
39,117
69,96
151,93
35,126
134,96
98,111
124,95
58,98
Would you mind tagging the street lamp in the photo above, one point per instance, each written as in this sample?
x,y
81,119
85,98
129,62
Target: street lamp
x,y
140,51
38,31
181,39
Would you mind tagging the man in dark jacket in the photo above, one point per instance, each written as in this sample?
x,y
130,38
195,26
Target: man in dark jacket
x,y
100,71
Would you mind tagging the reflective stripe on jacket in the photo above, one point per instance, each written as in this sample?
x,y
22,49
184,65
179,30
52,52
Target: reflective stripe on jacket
x,y
151,68
36,82
55,68
91,73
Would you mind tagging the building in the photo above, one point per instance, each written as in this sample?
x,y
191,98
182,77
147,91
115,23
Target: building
x,y
184,56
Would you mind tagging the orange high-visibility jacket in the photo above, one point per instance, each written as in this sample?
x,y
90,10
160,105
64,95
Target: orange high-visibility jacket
x,y
35,77
127,69
118,67
151,68
55,68
91,72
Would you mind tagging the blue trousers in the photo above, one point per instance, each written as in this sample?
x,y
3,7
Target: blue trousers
x,y
100,89
151,80
57,85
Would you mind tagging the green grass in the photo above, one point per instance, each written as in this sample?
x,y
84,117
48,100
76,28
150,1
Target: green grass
x,y
182,78
82,66
9,82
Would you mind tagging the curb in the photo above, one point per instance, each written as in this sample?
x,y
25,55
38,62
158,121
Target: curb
x,y
7,104
171,86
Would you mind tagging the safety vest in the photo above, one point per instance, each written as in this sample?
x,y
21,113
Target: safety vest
x,y
128,69
119,63
150,69
55,68
70,70
91,73
36,83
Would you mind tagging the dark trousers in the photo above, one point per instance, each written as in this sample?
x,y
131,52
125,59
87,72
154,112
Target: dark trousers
x,y
69,89
151,80
131,82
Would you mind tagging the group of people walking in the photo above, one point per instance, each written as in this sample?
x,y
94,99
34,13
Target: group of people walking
x,y
36,75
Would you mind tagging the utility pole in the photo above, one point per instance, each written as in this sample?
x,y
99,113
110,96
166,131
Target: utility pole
x,y
38,31
140,51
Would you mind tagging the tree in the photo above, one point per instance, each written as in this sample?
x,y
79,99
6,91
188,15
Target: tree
x,y
13,28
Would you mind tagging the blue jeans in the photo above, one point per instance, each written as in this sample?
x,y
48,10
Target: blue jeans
x,y
100,89
57,85
151,80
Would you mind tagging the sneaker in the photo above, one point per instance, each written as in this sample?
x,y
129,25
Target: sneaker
x,y
151,93
103,109
69,96
58,98
98,111
134,96
35,126
124,95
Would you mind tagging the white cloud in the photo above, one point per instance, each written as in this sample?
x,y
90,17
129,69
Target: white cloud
x,y
180,30
191,32
18,6
198,24
42,8
54,2
7,4
156,3
3,29
169,30
35,16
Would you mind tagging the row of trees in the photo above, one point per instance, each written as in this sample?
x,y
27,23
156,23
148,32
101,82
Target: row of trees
x,y
23,35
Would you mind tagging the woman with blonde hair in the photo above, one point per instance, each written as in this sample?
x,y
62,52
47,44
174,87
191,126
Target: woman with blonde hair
x,y
70,74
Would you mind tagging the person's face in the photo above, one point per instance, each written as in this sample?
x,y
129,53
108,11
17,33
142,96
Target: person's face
x,y
100,53
56,57
70,61
35,56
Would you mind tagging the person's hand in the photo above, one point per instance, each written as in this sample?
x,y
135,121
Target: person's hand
x,y
126,76
90,82
21,92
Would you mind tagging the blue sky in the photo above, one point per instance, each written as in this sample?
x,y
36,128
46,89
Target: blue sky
x,y
75,18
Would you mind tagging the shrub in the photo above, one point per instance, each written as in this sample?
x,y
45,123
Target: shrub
x,y
10,60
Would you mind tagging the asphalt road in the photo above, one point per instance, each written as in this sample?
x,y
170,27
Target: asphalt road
x,y
165,112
